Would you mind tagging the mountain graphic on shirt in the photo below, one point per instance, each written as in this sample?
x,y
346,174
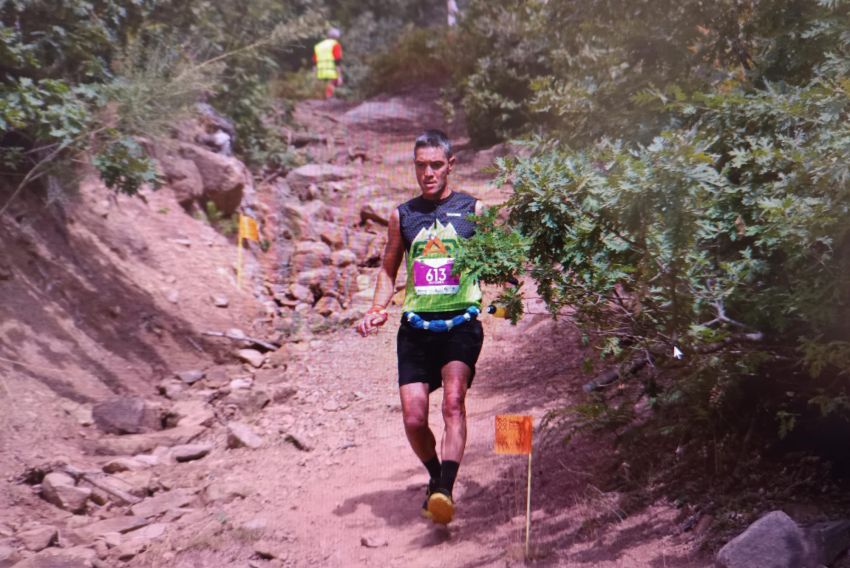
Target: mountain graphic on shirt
x,y
436,240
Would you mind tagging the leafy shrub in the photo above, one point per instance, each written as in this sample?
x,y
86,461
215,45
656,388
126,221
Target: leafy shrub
x,y
420,57
124,166
727,239
298,86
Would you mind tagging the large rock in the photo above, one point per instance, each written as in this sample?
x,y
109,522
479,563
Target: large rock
x,y
124,463
343,258
377,212
155,506
327,305
226,180
309,255
59,488
248,401
137,541
302,293
317,278
773,541
299,221
320,175
183,177
143,443
119,524
38,538
191,413
190,452
251,356
390,111
8,556
332,234
60,558
368,247
241,435
130,415
830,538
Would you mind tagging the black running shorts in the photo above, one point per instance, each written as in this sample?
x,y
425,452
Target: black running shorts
x,y
422,353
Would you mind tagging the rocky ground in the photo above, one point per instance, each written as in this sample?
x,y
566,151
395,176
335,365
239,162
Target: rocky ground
x,y
155,415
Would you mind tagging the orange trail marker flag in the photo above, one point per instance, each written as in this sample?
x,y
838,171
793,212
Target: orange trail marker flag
x,y
513,436
247,230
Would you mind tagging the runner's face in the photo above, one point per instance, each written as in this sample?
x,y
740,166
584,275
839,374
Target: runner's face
x,y
432,172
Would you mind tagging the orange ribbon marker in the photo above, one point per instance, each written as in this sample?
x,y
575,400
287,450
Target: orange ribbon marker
x,y
247,230
513,437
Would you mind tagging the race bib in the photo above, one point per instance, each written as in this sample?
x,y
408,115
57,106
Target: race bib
x,y
434,276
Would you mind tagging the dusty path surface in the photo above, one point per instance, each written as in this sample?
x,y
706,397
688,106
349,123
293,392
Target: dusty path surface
x,y
354,498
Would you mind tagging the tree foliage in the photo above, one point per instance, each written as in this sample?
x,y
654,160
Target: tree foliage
x,y
86,78
576,67
724,236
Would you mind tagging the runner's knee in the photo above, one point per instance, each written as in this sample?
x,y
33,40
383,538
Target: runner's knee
x,y
415,420
453,405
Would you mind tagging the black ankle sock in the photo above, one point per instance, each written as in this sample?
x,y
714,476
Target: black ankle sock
x,y
448,475
433,467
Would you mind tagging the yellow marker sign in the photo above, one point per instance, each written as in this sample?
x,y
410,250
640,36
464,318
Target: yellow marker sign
x,y
248,228
513,434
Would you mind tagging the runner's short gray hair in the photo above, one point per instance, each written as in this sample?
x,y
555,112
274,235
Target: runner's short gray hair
x,y
433,139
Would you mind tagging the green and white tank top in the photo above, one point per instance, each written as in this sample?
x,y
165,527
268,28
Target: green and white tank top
x,y
433,232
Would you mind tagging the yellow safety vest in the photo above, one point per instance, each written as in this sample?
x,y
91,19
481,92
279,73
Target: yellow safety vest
x,y
325,63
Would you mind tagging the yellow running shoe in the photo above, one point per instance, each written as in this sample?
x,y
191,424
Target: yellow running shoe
x,y
432,486
441,507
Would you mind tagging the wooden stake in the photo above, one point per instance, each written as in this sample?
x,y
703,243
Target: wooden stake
x,y
239,262
528,509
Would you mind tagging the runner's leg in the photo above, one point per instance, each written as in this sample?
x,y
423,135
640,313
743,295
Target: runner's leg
x,y
455,378
414,410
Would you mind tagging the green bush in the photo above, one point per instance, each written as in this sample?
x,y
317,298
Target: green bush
x,y
420,58
727,239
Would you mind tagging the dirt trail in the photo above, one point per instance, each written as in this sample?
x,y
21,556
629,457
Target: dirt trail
x,y
353,499
103,297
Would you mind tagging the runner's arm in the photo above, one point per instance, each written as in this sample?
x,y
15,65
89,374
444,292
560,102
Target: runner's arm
x,y
385,285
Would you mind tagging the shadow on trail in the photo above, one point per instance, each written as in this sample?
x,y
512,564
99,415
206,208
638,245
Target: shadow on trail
x,y
61,290
395,506
584,512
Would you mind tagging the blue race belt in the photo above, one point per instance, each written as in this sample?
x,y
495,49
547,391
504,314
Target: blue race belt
x,y
438,326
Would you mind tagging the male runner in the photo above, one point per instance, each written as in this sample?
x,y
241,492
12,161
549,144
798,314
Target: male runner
x,y
439,339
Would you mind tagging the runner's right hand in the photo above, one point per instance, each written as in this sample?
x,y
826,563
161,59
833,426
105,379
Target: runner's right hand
x,y
373,320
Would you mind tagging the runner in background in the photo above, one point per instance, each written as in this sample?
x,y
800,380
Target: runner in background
x,y
327,55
